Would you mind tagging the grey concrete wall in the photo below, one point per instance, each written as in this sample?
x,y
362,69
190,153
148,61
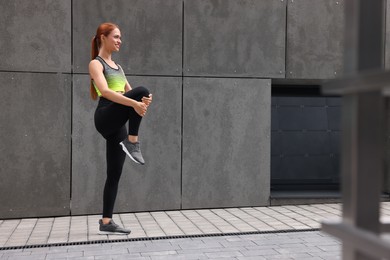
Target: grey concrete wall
x,y
226,142
234,38
35,136
387,39
315,42
209,64
35,35
35,144
151,34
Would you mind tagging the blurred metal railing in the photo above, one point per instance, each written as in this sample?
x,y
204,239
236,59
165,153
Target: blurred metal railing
x,y
363,132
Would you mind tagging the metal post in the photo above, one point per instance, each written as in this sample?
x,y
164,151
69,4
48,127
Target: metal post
x,y
362,122
362,164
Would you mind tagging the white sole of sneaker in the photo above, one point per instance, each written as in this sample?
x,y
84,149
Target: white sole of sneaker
x,y
128,154
111,233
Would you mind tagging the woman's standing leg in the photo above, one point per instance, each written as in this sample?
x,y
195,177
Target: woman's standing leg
x,y
115,159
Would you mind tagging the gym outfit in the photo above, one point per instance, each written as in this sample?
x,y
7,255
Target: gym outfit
x,y
110,121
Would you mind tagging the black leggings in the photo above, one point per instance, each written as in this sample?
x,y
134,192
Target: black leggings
x,y
110,121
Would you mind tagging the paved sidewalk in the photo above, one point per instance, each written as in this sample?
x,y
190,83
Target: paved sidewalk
x,y
21,234
295,245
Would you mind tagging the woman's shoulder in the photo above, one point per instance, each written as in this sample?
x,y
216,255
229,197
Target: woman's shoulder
x,y
95,64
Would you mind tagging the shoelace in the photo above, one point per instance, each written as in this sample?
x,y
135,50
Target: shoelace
x,y
137,147
113,223
133,147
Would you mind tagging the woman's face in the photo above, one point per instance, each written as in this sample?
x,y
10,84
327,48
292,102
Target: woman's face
x,y
113,41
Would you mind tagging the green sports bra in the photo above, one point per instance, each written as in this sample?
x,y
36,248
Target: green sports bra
x,y
116,79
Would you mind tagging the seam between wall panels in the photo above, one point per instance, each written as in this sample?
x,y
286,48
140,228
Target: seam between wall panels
x,y
182,107
71,109
286,40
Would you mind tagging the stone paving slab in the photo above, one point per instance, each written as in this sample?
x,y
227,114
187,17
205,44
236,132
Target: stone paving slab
x,y
21,232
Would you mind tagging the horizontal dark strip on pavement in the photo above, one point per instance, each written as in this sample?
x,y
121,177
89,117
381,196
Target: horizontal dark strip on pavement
x,y
105,241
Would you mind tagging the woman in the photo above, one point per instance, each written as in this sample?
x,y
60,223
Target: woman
x,y
118,104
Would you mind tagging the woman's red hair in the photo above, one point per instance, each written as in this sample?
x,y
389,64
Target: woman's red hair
x,y
103,29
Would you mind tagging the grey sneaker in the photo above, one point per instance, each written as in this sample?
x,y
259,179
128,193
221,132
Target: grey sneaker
x,y
133,151
111,229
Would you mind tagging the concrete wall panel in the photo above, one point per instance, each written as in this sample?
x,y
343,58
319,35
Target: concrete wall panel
x,y
226,142
35,144
234,38
156,185
35,35
315,31
387,37
151,34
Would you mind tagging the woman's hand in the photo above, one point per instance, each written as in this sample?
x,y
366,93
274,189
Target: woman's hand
x,y
147,100
140,108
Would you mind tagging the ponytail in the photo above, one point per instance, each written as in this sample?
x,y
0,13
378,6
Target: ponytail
x,y
105,29
94,54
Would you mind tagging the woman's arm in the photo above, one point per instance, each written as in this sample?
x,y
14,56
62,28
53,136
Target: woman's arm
x,y
146,100
96,73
